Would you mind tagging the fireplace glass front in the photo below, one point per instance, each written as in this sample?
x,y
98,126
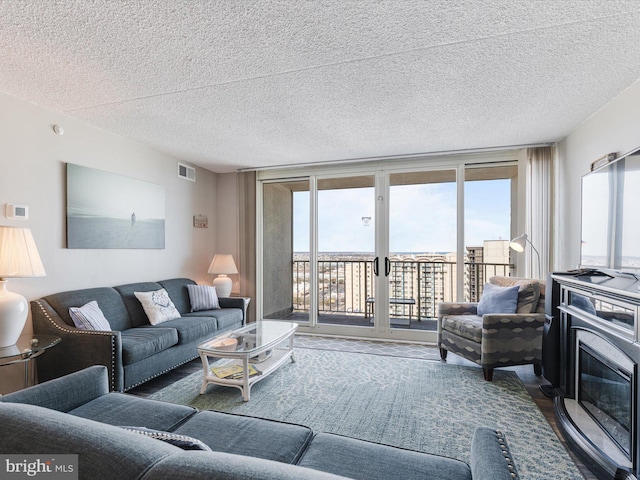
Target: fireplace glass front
x,y
605,392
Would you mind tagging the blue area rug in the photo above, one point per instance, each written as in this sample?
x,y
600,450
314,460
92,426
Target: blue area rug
x,y
416,404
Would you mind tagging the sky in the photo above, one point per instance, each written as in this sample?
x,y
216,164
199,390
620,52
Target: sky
x,y
97,193
422,217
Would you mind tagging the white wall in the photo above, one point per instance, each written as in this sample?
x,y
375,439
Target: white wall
x,y
32,172
615,128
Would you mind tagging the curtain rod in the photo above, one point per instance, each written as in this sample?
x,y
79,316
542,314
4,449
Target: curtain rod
x,y
395,157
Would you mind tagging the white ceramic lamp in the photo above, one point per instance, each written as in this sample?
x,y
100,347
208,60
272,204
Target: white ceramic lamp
x,y
223,265
18,258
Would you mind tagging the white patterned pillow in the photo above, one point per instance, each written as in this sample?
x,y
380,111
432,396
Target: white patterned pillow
x,y
158,306
89,317
203,297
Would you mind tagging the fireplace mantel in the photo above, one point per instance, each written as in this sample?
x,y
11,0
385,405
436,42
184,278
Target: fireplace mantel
x,y
591,355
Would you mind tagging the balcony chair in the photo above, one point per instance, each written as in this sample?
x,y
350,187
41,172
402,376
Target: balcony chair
x,y
483,333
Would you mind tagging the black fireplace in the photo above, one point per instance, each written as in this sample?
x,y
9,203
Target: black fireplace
x,y
606,394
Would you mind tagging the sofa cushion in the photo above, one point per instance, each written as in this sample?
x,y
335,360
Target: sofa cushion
x,y
529,291
191,329
357,459
104,451
466,326
225,317
142,342
123,409
158,306
89,317
203,297
255,437
225,466
497,299
109,301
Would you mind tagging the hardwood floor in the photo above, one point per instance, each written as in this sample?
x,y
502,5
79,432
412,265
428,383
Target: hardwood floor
x,y
525,372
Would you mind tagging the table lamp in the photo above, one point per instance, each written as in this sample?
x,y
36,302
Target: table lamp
x,y
18,258
223,265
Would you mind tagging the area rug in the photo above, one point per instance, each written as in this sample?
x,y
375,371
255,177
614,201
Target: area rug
x,y
416,404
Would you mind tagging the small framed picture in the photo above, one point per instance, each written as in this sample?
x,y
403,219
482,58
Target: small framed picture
x,y
200,221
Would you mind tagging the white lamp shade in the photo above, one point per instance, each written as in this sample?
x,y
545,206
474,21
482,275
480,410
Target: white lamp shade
x,y
18,253
223,264
18,258
519,243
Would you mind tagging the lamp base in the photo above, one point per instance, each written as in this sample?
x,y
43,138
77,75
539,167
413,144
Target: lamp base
x,y
13,315
223,285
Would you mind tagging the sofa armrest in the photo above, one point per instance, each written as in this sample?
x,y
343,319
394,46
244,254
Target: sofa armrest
x,y
490,456
65,394
78,349
235,302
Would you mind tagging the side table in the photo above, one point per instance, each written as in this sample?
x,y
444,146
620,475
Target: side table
x,y
25,350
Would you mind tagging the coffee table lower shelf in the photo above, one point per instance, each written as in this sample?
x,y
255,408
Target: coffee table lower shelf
x,y
278,357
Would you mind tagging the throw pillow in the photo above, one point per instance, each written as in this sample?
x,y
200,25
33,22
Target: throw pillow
x,y
529,294
89,317
203,297
498,299
158,306
182,441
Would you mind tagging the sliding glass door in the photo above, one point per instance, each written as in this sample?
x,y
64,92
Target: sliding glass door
x,y
372,253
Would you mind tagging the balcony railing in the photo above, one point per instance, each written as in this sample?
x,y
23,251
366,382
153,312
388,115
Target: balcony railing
x,y
345,286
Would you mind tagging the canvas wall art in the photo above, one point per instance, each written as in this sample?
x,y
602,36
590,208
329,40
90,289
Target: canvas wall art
x,y
106,210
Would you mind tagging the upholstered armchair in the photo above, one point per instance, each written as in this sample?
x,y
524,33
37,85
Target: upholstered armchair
x,y
493,338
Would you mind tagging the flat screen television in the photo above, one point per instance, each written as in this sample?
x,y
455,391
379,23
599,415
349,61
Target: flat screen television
x,y
611,215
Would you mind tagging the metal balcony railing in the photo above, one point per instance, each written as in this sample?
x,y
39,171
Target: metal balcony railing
x,y
346,285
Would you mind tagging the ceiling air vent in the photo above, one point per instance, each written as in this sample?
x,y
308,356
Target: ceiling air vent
x,y
187,172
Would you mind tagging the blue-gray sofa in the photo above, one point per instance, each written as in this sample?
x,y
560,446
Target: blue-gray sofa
x,y
133,351
78,414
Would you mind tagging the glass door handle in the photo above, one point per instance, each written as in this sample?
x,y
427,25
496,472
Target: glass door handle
x,y
387,266
375,266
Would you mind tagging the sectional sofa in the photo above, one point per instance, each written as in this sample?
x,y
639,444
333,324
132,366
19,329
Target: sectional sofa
x,y
132,349
78,414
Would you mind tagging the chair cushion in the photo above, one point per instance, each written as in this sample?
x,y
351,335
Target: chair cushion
x,y
142,342
467,326
498,299
528,294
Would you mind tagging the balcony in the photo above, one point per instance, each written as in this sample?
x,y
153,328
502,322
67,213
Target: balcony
x,y
346,289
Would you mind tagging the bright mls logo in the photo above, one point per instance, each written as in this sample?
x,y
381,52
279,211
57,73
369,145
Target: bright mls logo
x,y
53,467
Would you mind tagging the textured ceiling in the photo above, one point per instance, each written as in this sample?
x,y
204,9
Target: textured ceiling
x,y
235,84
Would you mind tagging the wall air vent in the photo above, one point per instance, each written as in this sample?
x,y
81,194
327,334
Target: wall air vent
x,y
186,172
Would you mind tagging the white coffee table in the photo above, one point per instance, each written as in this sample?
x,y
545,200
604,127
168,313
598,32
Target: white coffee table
x,y
264,345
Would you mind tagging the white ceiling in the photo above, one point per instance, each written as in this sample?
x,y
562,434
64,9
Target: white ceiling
x,y
233,84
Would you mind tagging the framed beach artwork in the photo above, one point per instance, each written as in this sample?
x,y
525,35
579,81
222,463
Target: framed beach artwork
x,y
105,210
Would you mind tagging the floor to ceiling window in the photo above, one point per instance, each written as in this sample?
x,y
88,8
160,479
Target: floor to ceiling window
x,y
370,252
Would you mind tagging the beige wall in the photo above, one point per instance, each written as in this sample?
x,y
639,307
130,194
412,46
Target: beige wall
x,y
615,128
32,161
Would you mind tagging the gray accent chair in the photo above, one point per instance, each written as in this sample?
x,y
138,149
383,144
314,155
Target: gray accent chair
x,y
497,339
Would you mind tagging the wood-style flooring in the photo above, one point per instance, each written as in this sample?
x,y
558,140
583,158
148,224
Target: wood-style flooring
x,y
528,378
